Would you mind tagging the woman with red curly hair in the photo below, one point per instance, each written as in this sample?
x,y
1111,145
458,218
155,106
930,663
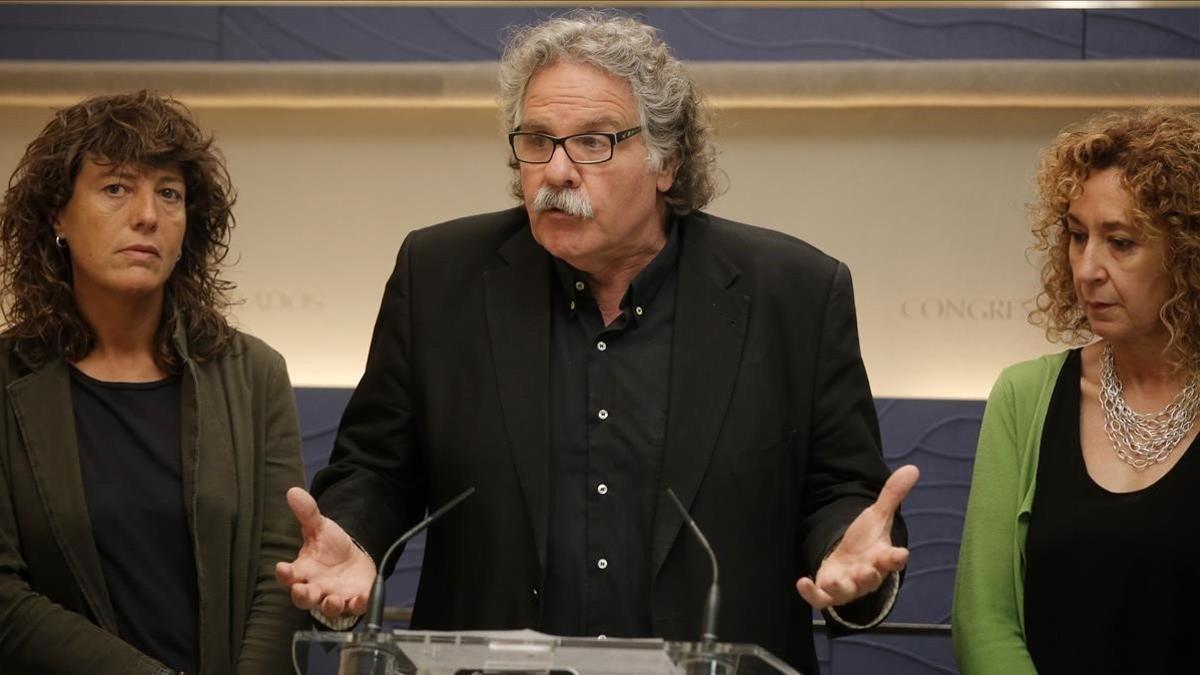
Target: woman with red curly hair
x,y
145,445
1077,555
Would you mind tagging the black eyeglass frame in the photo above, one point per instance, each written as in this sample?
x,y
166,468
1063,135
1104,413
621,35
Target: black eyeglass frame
x,y
613,137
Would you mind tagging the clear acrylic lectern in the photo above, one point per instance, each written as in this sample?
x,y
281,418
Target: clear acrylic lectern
x,y
403,652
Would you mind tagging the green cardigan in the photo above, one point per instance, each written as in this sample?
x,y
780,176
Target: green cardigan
x,y
241,452
989,591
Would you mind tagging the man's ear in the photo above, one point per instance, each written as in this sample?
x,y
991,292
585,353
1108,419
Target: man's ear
x,y
665,177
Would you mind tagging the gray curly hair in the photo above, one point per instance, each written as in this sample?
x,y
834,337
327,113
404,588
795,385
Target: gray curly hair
x,y
675,120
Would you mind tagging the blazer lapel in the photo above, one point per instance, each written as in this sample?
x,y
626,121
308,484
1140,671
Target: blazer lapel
x,y
517,296
44,410
710,329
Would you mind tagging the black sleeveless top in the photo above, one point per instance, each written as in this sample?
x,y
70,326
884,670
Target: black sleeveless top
x,y
1112,582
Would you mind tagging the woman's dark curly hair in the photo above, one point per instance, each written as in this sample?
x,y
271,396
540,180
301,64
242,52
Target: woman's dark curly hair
x,y
142,128
1157,154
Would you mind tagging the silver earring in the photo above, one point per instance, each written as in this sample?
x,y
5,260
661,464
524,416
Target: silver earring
x,y
60,241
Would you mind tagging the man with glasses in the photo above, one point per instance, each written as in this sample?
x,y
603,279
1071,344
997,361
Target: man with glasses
x,y
573,358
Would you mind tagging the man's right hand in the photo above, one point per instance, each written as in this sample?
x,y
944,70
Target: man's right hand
x,y
331,573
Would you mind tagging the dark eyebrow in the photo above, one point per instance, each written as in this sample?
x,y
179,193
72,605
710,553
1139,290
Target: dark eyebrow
x,y
123,172
118,171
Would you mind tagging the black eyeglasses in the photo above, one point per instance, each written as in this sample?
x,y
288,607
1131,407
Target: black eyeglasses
x,y
593,147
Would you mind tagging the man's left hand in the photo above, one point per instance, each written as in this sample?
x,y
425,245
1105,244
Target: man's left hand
x,y
865,556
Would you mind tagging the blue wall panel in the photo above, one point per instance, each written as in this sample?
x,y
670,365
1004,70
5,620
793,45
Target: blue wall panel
x,y
872,654
103,32
840,34
1140,34
431,33
939,437
367,33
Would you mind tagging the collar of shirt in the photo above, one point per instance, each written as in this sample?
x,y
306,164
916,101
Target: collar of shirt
x,y
641,292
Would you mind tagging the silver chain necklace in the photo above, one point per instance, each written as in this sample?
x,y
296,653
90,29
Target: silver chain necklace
x,y
1142,440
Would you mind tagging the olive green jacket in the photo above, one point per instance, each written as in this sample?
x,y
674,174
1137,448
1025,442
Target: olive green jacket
x,y
989,591
241,452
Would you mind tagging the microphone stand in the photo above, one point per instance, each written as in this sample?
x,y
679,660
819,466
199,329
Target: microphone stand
x,y
368,657
378,589
708,637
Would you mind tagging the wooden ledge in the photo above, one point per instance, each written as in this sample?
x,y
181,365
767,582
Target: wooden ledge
x,y
729,85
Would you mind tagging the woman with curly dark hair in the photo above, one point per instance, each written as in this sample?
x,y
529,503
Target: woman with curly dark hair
x,y
145,445
1077,554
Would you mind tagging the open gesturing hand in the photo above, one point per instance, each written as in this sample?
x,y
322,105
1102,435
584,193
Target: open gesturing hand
x,y
330,573
865,556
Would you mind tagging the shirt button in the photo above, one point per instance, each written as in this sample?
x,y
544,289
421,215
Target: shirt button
x,y
603,414
638,311
602,563
602,489
602,636
579,285
601,346
572,305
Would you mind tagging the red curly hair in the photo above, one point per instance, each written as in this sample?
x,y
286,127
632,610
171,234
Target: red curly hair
x,y
1157,154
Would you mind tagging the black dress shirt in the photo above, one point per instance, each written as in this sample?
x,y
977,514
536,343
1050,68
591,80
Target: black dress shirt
x,y
608,418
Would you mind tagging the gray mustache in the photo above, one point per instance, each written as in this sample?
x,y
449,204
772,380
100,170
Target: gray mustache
x,y
572,201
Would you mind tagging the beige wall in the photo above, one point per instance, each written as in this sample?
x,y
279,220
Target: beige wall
x,y
926,205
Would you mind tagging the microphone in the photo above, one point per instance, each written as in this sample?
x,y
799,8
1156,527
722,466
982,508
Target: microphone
x,y
375,606
709,637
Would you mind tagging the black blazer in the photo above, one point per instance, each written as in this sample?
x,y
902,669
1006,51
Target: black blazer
x,y
772,440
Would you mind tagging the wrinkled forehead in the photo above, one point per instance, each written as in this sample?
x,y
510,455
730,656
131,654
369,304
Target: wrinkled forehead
x,y
574,92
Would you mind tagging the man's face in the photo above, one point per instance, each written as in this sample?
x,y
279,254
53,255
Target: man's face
x,y
628,216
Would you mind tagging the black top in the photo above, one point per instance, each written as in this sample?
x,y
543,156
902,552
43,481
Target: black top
x,y
608,420
1112,582
130,459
